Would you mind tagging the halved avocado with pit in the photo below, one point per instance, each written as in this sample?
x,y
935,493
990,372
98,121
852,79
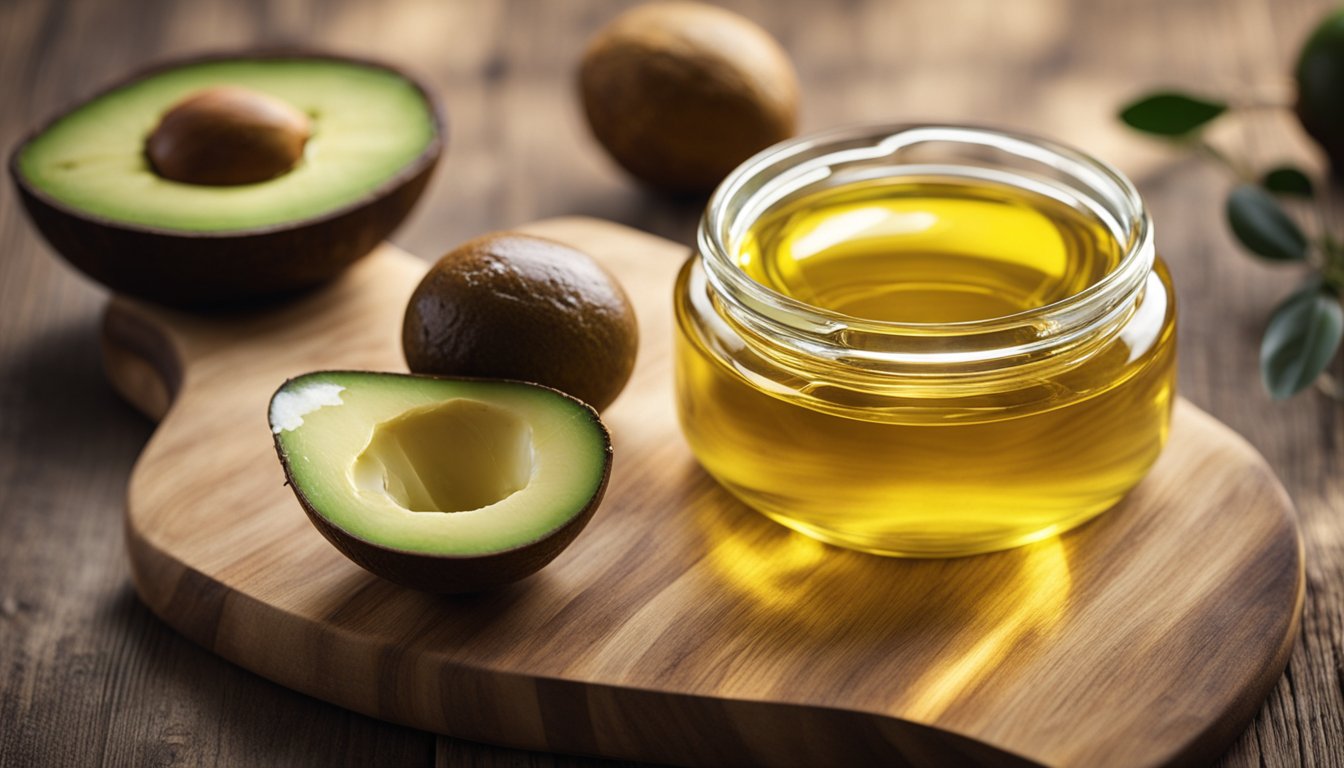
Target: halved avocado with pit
x,y
373,137
443,485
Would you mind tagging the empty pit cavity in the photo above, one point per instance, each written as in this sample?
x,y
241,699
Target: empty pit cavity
x,y
454,456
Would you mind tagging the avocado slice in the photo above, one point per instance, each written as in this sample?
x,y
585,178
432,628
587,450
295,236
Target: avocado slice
x,y
443,485
87,180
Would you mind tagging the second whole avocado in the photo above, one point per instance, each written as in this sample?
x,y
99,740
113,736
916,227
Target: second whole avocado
x,y
680,93
513,306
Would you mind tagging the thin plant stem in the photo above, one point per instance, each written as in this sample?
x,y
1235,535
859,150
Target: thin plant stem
x,y
1323,221
1332,271
1261,105
1329,386
1227,161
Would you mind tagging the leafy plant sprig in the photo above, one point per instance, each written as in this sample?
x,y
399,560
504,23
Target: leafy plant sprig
x,y
1305,330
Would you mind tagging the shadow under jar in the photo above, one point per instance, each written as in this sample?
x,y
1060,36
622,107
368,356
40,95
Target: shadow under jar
x,y
925,341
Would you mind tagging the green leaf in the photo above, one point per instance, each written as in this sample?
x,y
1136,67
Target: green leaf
x,y
1303,334
1287,180
1262,226
1169,113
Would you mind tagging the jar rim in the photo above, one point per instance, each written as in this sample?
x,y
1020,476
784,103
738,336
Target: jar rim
x,y
767,177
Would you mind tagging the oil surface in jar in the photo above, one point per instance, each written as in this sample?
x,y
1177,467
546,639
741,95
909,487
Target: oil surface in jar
x,y
928,250
946,473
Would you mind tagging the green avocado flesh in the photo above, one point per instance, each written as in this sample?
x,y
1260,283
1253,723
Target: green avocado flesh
x,y
438,466
368,123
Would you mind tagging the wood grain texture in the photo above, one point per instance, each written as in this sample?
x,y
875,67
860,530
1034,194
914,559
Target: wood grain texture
x,y
89,677
681,627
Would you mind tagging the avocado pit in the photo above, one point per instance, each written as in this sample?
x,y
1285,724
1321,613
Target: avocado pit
x,y
513,306
227,136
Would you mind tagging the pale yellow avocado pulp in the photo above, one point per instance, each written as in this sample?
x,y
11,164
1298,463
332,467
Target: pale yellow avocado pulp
x,y
368,123
438,466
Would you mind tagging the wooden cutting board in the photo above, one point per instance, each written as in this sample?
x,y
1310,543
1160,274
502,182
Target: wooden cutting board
x,y
681,627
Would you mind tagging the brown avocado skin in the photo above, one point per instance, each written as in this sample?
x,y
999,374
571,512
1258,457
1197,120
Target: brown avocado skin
x,y
680,93
515,306
447,574
224,270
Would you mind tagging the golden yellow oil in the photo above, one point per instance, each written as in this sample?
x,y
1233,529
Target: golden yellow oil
x,y
928,251
952,473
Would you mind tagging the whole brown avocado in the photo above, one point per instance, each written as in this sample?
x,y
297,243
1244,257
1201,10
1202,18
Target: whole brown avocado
x,y
513,306
681,93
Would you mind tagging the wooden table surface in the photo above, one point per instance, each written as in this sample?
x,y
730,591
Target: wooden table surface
x,y
88,676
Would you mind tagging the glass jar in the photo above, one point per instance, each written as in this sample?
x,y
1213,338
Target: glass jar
x,y
927,437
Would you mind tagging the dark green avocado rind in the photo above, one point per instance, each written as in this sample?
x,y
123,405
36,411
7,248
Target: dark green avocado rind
x,y
207,270
454,574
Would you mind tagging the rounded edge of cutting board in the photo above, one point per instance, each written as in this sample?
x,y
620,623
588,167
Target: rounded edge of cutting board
x,y
148,363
